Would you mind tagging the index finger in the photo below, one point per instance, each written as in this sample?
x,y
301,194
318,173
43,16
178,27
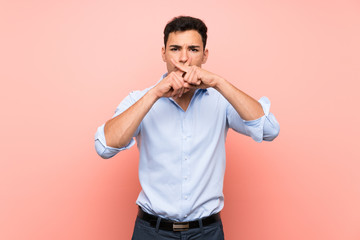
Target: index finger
x,y
184,68
187,63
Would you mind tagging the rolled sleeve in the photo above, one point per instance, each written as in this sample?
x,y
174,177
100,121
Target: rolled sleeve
x,y
102,149
264,128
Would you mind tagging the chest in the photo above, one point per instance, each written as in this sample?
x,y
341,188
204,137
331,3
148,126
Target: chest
x,y
168,123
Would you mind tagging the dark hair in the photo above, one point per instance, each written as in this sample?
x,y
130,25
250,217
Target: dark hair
x,y
184,23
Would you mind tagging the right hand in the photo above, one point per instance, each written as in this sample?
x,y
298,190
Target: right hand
x,y
173,84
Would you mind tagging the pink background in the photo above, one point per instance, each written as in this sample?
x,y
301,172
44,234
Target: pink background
x,y
66,65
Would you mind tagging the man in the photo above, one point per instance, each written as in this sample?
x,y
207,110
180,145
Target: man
x,y
180,125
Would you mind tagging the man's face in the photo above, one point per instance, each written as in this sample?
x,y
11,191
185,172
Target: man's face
x,y
184,45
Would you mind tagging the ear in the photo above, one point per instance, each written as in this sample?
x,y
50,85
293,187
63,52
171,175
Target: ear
x,y
163,53
205,56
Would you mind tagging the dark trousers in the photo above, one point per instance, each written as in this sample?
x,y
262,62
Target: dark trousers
x,y
143,231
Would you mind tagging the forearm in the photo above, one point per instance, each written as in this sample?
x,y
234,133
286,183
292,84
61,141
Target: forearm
x,y
247,107
119,130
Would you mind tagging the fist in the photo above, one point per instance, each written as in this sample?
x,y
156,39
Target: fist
x,y
173,85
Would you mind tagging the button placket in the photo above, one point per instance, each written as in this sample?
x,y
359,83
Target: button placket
x,y
185,164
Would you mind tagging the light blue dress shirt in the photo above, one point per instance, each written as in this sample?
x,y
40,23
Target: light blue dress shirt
x,y
182,153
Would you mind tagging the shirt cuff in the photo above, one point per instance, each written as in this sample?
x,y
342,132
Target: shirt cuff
x,y
255,128
102,149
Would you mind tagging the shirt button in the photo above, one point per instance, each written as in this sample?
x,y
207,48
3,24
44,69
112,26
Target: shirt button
x,y
186,197
185,216
186,158
185,178
185,138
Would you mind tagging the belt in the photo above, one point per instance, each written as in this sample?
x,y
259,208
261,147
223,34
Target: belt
x,y
169,225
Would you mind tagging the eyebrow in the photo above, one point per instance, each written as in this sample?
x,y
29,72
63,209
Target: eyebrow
x,y
191,46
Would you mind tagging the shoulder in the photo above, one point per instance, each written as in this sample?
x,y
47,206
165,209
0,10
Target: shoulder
x,y
130,99
137,94
216,96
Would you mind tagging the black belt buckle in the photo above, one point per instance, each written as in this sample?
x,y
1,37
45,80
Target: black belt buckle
x,y
180,226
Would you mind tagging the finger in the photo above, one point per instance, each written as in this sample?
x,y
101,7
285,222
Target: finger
x,y
180,73
187,63
182,89
178,84
190,86
179,66
175,91
193,78
179,79
181,86
196,79
187,75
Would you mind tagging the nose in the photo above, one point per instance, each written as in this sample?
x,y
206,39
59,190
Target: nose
x,y
184,56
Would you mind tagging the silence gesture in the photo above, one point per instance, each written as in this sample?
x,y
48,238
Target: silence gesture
x,y
196,77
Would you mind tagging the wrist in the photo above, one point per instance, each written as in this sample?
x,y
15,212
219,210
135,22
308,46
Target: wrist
x,y
218,82
153,94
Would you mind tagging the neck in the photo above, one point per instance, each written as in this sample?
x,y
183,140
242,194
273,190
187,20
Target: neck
x,y
185,99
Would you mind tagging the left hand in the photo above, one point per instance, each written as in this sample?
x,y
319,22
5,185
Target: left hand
x,y
196,77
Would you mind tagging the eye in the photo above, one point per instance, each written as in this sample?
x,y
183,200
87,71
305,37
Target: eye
x,y
174,49
194,50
